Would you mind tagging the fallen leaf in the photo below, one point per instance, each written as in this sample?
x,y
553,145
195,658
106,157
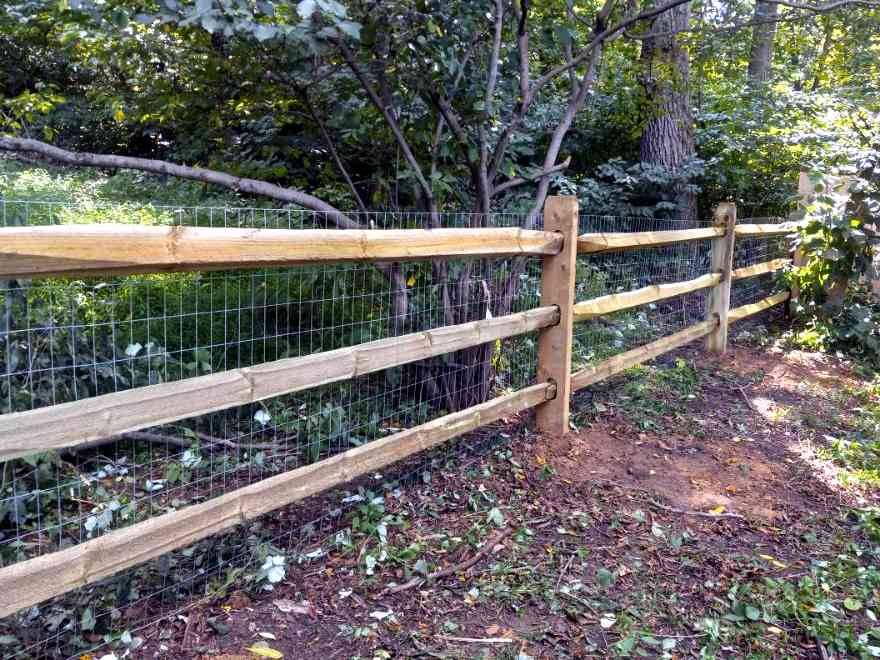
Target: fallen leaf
x,y
266,635
492,631
718,510
287,606
773,560
608,620
264,651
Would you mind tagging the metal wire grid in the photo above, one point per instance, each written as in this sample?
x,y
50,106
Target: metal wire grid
x,y
190,324
615,272
139,597
66,340
750,251
23,213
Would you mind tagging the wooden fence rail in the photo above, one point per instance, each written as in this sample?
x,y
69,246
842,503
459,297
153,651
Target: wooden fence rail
x,y
120,249
75,423
771,229
33,581
52,251
616,241
616,302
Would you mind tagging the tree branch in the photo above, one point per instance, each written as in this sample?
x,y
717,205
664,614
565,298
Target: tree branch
x,y
518,181
48,152
332,149
389,119
824,7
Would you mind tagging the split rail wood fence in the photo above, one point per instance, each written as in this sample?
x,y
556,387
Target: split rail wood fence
x,y
112,249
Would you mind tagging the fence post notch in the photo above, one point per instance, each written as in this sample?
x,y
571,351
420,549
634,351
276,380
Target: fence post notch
x,y
721,261
557,288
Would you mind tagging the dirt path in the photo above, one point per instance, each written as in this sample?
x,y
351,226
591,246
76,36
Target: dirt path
x,y
652,530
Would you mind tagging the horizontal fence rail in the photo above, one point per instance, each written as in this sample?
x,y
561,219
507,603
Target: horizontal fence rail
x,y
615,241
739,313
763,268
607,368
33,581
122,249
767,229
618,301
70,424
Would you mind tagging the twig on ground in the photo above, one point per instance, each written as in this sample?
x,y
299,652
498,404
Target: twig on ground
x,y
579,601
748,401
451,570
702,514
478,640
183,443
563,572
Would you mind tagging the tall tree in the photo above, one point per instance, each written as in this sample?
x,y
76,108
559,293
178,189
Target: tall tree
x,y
763,34
668,136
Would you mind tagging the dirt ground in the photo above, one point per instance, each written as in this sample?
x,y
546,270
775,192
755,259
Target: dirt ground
x,y
682,484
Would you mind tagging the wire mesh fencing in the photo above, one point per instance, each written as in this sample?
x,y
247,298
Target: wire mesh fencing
x,y
749,251
616,272
66,340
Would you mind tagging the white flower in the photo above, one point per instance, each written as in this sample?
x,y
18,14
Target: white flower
x,y
274,569
190,459
262,417
133,349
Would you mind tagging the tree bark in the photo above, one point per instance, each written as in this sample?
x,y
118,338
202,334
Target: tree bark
x,y
668,135
763,34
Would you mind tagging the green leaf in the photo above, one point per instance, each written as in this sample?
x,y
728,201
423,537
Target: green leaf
x,y
87,621
264,32
333,7
306,8
752,613
852,604
350,28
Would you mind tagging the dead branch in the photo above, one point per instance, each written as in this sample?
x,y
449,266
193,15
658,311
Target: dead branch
x,y
174,441
48,152
701,514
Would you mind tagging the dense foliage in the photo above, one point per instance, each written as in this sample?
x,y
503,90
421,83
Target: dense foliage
x,y
399,107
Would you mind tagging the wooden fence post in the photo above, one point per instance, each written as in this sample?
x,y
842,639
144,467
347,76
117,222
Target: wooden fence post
x,y
806,195
721,261
557,288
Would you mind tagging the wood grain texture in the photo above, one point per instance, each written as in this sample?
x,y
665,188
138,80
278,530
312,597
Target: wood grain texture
x,y
615,241
721,261
35,580
79,422
617,301
739,313
114,249
557,288
762,268
618,363
771,229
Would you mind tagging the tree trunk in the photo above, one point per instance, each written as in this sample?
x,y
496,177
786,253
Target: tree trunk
x,y
763,33
668,135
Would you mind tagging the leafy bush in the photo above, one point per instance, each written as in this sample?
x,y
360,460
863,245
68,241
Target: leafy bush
x,y
637,190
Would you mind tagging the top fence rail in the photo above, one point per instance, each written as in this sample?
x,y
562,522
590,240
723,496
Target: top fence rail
x,y
122,249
